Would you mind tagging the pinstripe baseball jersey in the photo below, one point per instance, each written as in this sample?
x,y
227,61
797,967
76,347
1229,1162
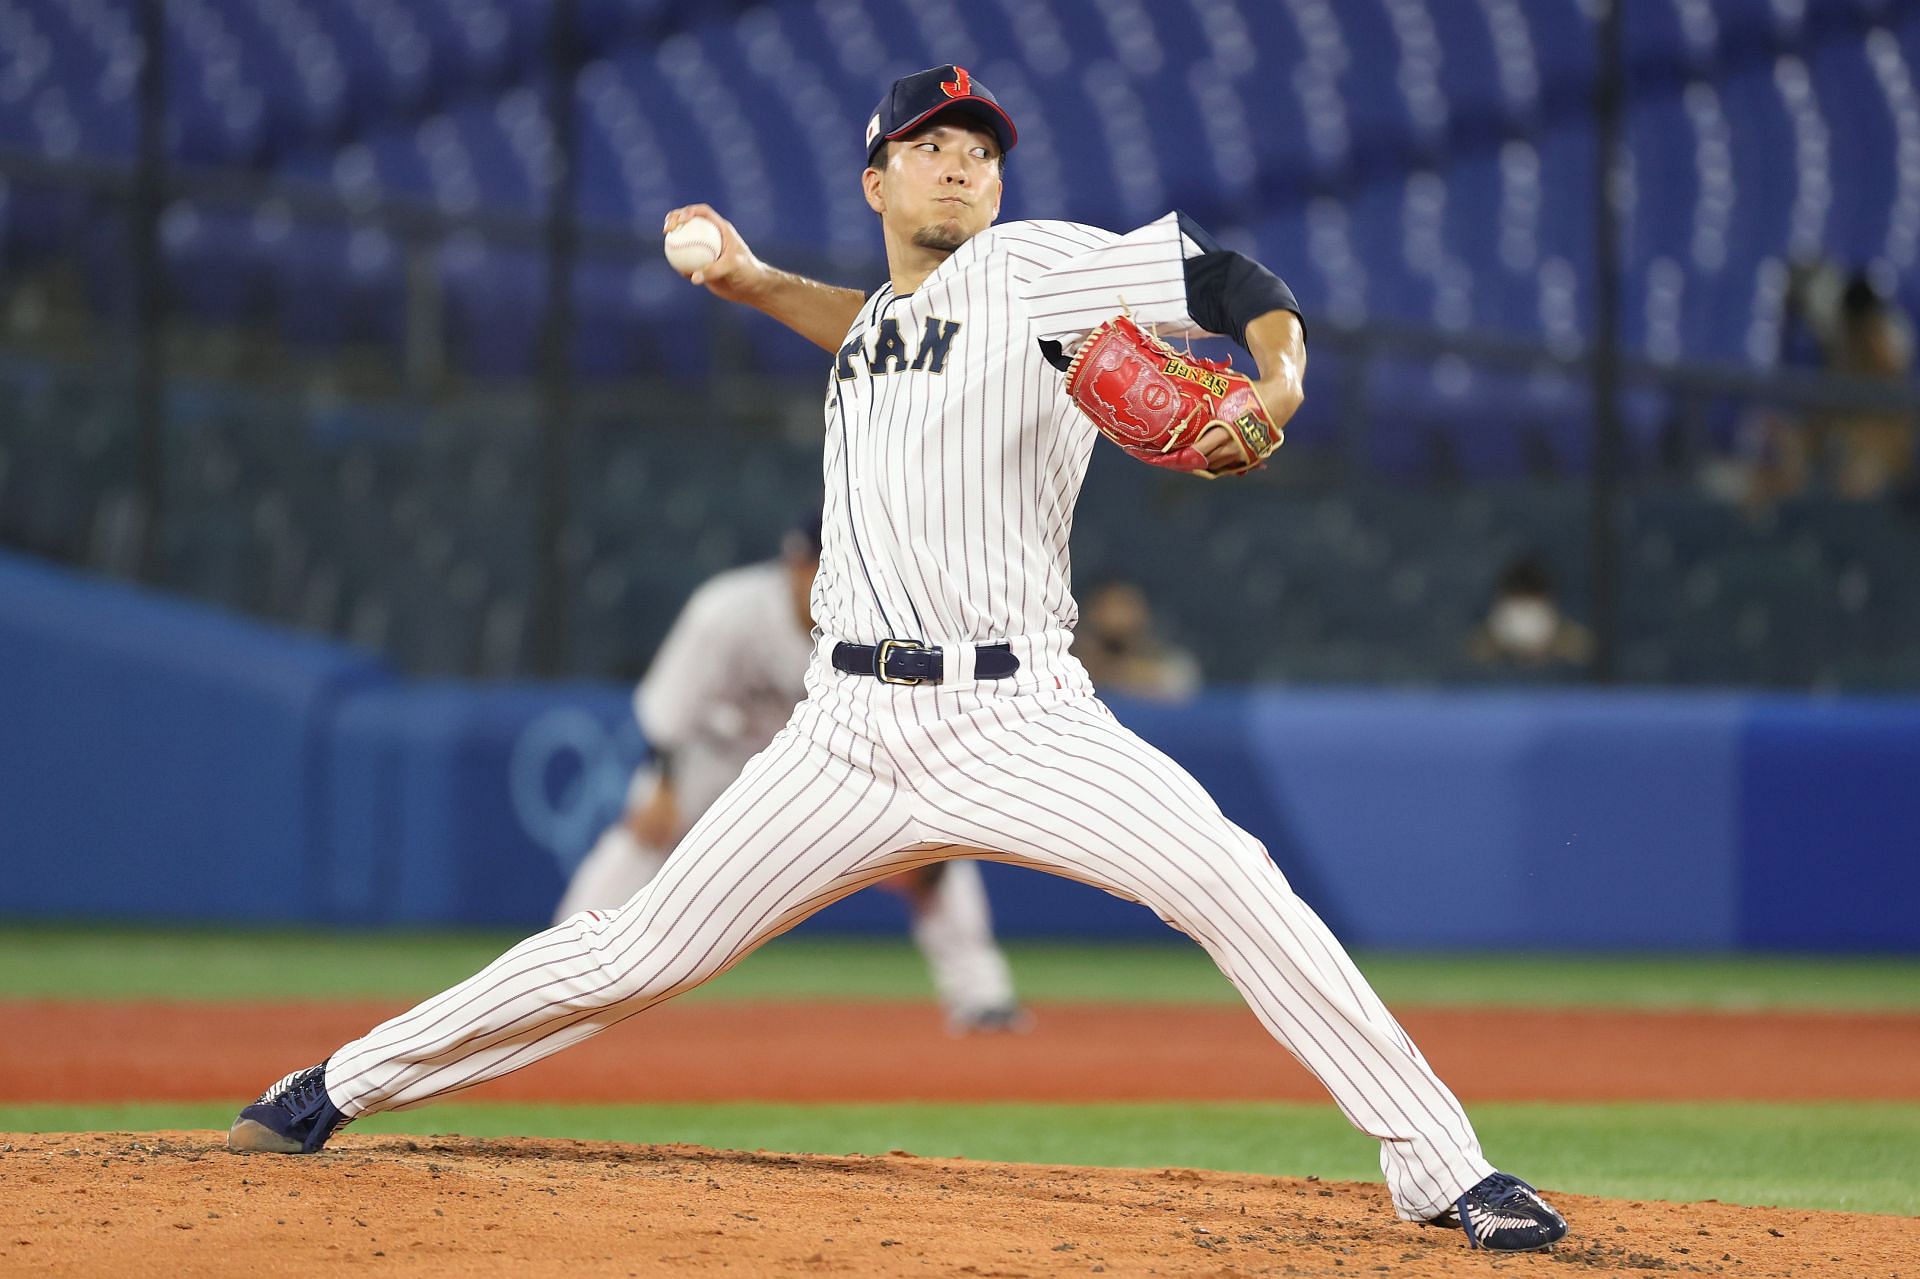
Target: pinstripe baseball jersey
x,y
953,460
953,456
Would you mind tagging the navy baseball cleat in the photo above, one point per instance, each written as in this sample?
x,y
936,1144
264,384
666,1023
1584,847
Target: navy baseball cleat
x,y
294,1117
1504,1214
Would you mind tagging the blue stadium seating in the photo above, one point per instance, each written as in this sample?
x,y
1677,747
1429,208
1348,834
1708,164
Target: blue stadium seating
x,y
1452,137
1426,162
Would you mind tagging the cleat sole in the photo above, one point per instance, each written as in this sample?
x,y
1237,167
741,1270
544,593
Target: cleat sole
x,y
249,1137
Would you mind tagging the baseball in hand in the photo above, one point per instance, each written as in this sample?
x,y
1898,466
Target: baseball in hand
x,y
692,245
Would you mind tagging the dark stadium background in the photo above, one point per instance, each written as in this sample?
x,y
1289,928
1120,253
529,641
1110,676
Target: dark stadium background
x,y
348,316
349,321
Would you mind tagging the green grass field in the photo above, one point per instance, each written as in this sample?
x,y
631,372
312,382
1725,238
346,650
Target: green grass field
x,y
41,962
1863,1157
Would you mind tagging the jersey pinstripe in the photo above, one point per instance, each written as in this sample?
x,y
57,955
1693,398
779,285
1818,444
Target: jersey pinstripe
x,y
871,779
953,461
723,683
952,464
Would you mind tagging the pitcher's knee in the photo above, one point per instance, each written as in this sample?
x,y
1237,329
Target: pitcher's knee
x,y
655,975
1230,884
639,983
1207,892
619,961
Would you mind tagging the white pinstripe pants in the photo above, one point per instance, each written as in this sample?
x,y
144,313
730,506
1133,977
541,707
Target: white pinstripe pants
x,y
869,779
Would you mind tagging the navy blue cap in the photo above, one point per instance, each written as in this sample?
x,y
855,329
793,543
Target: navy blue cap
x,y
917,98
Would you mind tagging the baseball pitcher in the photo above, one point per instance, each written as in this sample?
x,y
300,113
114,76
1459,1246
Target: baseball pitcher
x,y
944,715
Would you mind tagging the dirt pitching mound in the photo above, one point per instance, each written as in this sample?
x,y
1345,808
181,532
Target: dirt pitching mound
x,y
177,1203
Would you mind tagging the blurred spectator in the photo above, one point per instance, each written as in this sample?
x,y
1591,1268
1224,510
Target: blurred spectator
x,y
1870,453
1524,627
1117,643
1843,324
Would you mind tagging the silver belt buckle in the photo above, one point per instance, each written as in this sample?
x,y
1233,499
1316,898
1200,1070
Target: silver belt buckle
x,y
887,646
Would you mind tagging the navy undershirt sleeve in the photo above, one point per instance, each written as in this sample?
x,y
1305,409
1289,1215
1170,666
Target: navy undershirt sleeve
x,y
1226,291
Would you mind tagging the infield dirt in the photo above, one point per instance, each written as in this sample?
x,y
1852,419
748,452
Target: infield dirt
x,y
176,1203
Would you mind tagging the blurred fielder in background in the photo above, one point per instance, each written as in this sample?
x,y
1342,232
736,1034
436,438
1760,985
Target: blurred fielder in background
x,y
724,682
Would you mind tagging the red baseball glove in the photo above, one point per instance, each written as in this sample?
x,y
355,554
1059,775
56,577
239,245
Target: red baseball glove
x,y
1156,403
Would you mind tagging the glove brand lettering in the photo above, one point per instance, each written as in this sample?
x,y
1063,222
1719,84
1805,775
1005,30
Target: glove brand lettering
x,y
1177,367
889,353
1256,432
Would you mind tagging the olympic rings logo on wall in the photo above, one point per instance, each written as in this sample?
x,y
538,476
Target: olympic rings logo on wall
x,y
567,778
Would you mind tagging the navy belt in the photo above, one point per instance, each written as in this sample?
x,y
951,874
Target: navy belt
x,y
898,661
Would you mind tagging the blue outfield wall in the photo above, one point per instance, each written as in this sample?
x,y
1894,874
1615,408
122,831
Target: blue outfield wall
x,y
159,761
